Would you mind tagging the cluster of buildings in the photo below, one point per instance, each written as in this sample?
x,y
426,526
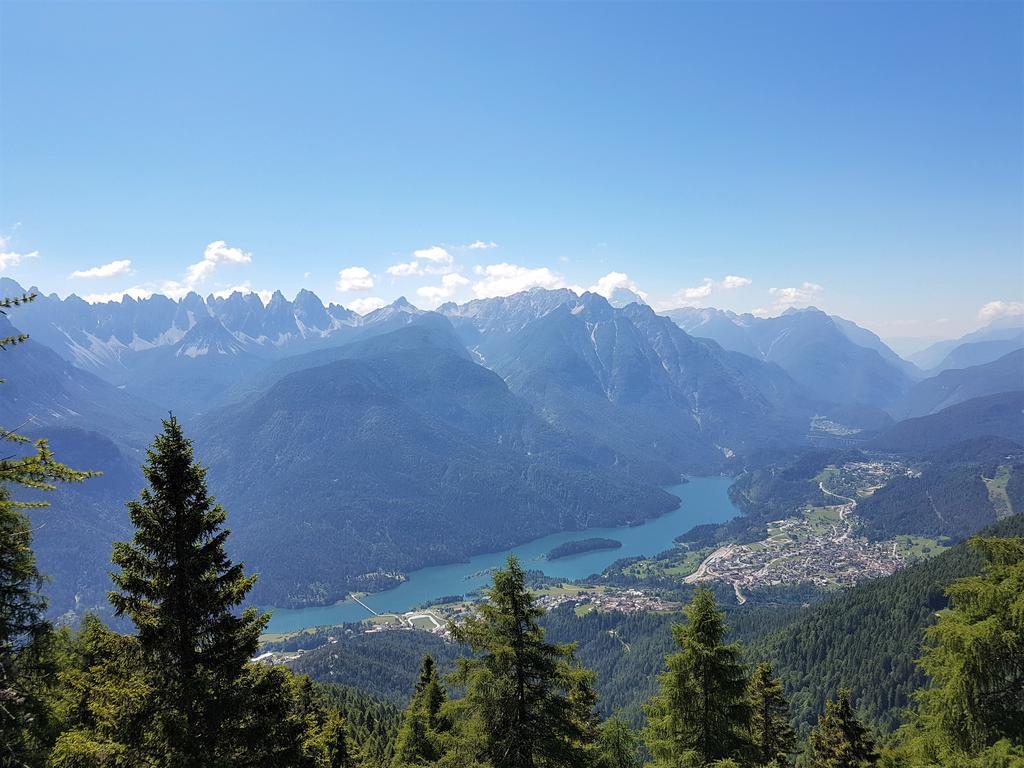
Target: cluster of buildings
x,y
798,552
812,549
608,599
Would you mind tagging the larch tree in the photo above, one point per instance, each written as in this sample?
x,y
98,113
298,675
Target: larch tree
x,y
178,586
700,713
528,704
974,657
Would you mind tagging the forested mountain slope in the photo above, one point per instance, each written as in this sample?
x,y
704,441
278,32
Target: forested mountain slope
x,y
869,637
999,415
73,536
341,473
952,492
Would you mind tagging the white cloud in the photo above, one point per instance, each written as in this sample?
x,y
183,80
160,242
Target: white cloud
x,y
449,285
505,279
735,281
695,295
354,279
611,282
217,252
701,291
135,292
434,253
14,258
801,295
366,305
434,260
114,268
307,275
480,245
997,309
405,269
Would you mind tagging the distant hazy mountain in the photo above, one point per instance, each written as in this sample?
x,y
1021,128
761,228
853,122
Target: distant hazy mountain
x,y
100,337
862,337
187,355
999,415
487,326
979,352
957,385
945,354
41,389
405,454
833,358
425,329
631,379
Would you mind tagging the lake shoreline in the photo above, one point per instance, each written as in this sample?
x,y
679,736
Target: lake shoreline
x,y
703,500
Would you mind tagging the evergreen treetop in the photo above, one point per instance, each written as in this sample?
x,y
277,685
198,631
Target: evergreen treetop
x,y
527,704
839,740
181,590
700,713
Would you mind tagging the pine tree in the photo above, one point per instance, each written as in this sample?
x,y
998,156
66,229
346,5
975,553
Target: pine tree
x,y
421,733
178,586
25,662
618,745
526,702
770,729
839,740
700,713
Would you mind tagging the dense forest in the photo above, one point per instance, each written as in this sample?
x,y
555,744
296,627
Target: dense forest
x,y
181,690
570,548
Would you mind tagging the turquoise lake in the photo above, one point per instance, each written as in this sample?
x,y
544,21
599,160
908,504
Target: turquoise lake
x,y
704,500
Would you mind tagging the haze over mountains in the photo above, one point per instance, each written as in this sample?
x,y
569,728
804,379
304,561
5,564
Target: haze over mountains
x,y
348,448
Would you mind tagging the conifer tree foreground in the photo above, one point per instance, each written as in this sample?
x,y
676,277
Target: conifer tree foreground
x,y
618,746
700,713
527,703
423,728
839,740
180,589
25,635
972,711
773,738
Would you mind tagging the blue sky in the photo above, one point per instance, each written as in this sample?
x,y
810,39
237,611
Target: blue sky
x,y
867,158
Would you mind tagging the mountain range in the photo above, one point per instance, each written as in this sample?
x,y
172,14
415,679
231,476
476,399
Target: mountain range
x,y
363,442
834,358
984,345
